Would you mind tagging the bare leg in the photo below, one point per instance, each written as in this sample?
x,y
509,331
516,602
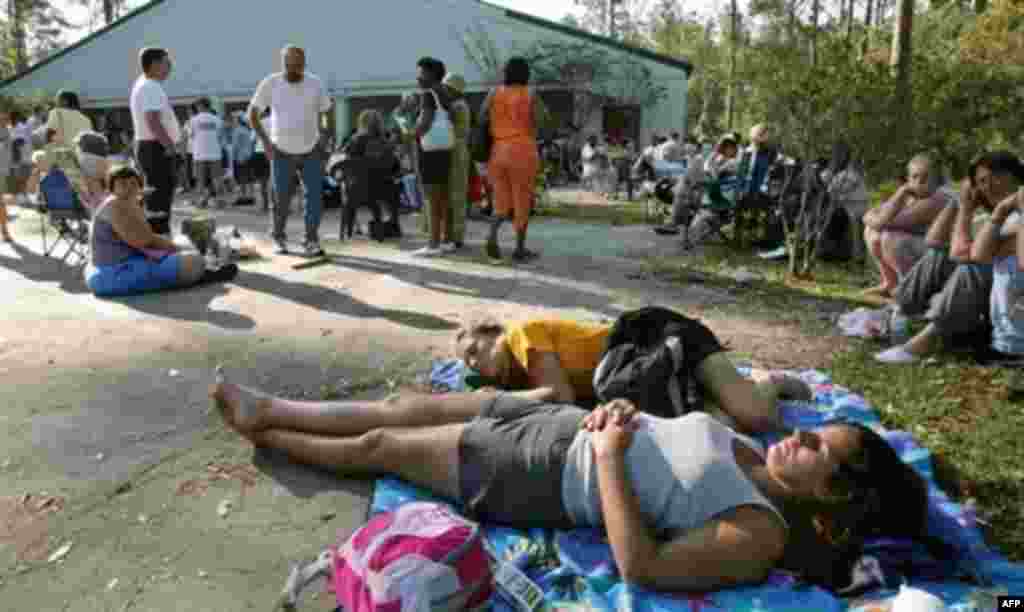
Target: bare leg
x,y
248,411
427,456
5,234
873,241
752,404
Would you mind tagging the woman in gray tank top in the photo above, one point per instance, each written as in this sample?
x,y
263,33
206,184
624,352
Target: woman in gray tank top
x,y
687,503
128,257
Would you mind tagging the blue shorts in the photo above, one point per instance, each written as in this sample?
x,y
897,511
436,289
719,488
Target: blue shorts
x,y
134,275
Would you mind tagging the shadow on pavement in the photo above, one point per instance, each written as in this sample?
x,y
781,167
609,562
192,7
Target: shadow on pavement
x,y
522,289
188,304
34,266
305,481
330,300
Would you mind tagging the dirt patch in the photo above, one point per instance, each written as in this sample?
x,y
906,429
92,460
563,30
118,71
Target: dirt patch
x,y
245,475
23,522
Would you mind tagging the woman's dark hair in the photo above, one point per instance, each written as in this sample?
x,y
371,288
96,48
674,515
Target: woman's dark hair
x,y
872,494
434,66
997,162
68,99
517,71
122,173
151,55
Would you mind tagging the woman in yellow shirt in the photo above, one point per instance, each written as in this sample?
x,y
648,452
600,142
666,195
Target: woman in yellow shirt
x,y
555,359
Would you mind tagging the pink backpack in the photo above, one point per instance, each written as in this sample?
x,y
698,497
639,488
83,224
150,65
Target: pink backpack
x,y
421,557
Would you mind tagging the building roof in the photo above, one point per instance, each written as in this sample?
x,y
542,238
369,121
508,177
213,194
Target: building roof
x,y
510,13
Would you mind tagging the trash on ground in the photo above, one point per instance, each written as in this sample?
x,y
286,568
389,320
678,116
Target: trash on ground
x,y
224,508
113,584
60,553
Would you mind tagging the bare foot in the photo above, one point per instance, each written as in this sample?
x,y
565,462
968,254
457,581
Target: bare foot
x,y
243,409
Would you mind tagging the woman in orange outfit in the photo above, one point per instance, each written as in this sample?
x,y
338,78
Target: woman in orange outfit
x,y
515,115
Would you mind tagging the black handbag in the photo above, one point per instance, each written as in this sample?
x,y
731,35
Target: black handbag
x,y
483,140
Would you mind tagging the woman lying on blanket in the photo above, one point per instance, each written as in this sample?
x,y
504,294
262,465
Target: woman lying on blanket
x,y
555,360
687,503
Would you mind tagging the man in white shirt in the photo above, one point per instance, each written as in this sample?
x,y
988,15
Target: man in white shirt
x,y
205,128
156,132
297,98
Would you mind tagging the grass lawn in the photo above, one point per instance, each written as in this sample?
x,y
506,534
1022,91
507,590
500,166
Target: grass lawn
x,y
961,411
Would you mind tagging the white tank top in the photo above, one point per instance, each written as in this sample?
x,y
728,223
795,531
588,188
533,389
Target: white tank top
x,y
682,470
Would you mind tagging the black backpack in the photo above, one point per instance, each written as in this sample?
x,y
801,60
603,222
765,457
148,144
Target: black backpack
x,y
645,363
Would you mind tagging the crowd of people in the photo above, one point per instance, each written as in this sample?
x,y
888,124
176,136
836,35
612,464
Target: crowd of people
x,y
539,446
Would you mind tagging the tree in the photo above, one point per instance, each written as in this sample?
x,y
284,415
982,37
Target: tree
x,y
34,28
613,18
903,27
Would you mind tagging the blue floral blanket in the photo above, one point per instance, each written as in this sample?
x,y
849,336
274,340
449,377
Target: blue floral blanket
x,y
577,572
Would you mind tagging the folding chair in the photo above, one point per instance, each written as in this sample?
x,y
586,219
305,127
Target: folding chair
x,y
61,209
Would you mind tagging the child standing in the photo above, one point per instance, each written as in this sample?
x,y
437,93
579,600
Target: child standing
x,y
6,142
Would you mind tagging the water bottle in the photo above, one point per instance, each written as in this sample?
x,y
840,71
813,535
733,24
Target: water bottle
x,y
899,326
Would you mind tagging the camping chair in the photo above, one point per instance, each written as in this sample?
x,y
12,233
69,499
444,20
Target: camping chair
x,y
61,209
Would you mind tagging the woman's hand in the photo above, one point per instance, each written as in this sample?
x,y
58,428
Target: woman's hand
x,y
969,199
1004,208
613,426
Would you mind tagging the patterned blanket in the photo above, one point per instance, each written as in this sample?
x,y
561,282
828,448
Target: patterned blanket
x,y
576,569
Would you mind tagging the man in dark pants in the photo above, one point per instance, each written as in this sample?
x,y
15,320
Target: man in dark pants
x,y
156,134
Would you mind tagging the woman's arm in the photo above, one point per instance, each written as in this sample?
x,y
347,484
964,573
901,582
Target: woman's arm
x,y
960,245
940,231
131,226
920,214
990,241
544,371
428,106
885,213
739,546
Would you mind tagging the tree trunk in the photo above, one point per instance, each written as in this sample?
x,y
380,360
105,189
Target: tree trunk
x,y
849,21
900,61
730,101
866,44
109,11
16,17
815,10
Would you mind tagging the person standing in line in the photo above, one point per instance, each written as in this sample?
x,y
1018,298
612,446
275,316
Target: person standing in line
x,y
156,132
297,98
242,149
260,165
206,128
516,114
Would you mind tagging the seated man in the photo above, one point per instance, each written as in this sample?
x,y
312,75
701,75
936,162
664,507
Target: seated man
x,y
86,171
688,504
557,358
949,288
895,231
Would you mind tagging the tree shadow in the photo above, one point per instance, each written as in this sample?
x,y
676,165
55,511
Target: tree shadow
x,y
330,300
34,266
188,304
526,289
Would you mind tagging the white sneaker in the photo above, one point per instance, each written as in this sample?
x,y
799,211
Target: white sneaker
x,y
897,354
428,251
448,247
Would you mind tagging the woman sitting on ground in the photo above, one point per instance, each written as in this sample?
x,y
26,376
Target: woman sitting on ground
x,y
128,257
688,504
895,231
947,286
1001,243
555,359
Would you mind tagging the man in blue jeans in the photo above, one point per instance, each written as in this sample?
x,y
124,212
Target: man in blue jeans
x,y
296,99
